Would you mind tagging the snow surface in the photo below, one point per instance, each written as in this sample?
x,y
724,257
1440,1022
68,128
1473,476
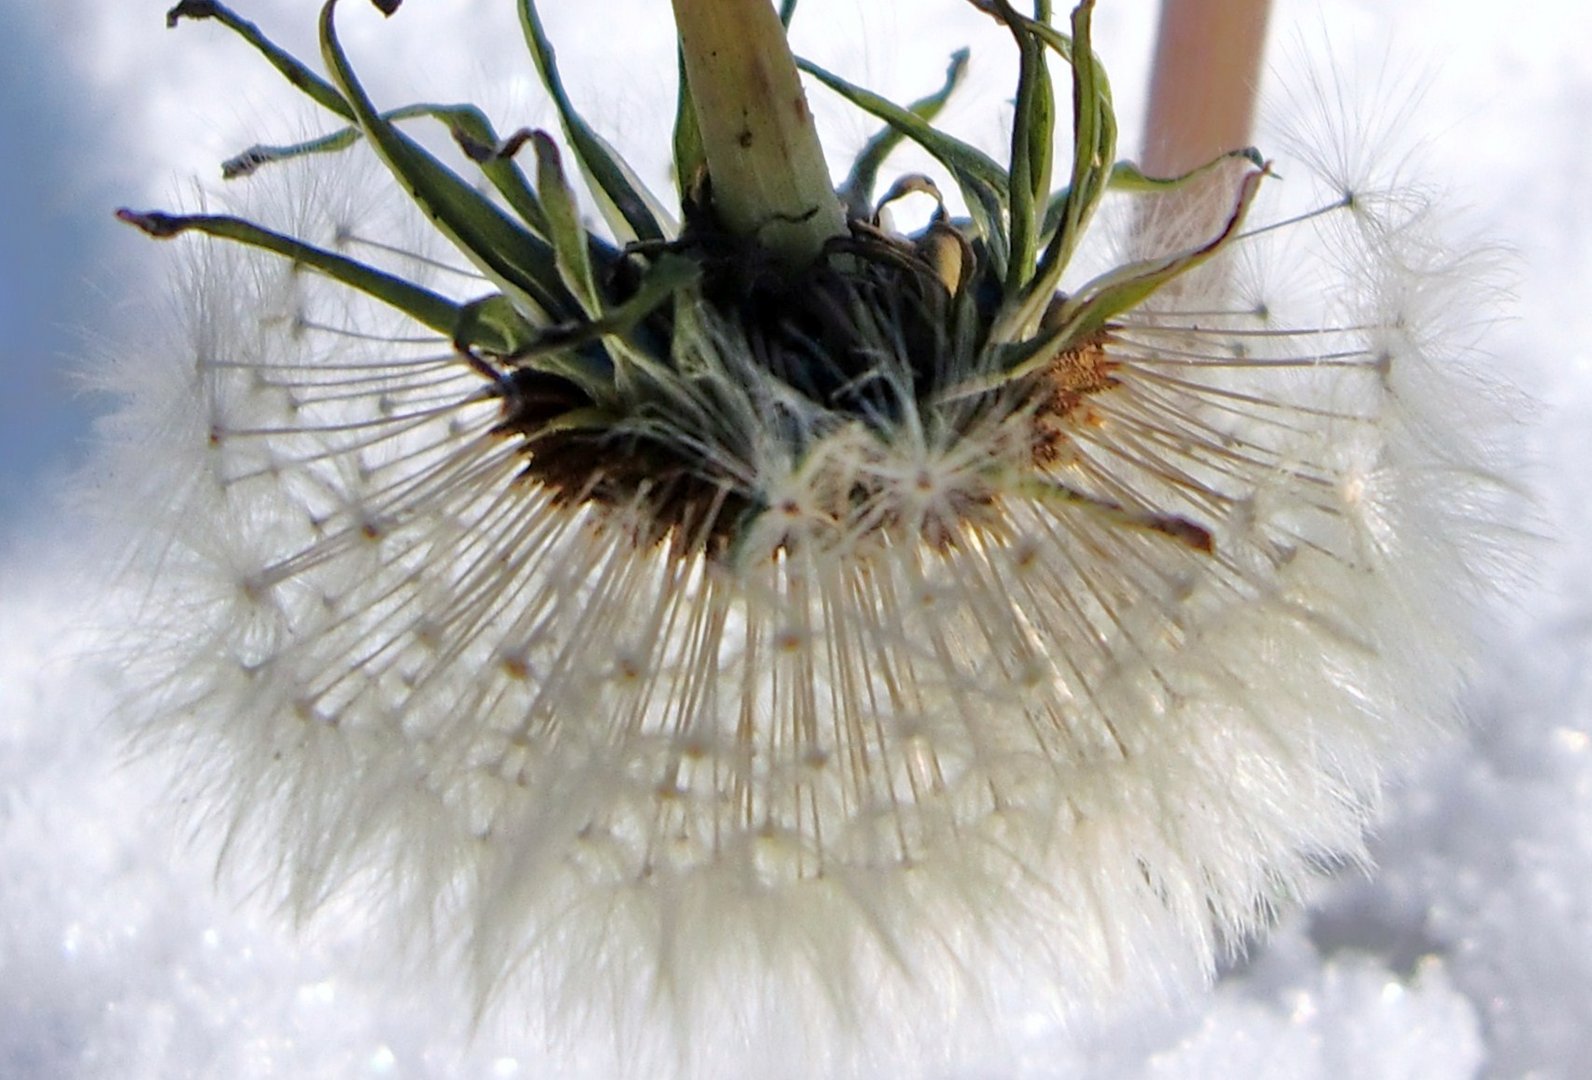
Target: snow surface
x,y
1468,951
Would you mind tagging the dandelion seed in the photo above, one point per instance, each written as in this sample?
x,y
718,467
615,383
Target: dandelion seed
x,y
774,608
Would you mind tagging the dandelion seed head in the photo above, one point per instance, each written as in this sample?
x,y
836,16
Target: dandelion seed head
x,y
803,672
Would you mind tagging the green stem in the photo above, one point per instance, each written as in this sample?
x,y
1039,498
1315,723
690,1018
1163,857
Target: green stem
x,y
770,182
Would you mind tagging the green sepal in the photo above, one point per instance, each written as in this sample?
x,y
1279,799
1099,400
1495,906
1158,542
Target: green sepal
x,y
322,92
1116,291
690,153
664,279
495,319
565,232
467,124
1094,149
1085,314
430,309
983,182
492,325
1127,178
857,191
1033,134
244,164
516,260
479,140
623,199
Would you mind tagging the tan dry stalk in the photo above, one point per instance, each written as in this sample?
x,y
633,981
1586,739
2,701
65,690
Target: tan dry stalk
x,y
1203,87
1206,75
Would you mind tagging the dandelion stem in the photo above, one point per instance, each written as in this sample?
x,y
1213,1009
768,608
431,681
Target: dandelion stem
x,y
770,182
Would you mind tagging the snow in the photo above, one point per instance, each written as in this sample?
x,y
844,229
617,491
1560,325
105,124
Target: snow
x,y
1467,952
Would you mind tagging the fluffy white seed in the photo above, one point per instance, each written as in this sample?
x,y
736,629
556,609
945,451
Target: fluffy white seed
x,y
1054,694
